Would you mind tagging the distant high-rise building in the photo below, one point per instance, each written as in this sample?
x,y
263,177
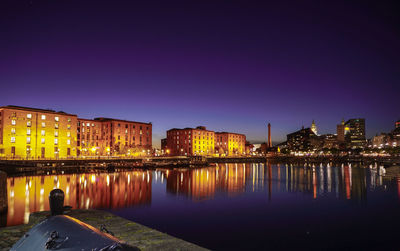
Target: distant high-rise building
x,y
397,124
354,131
340,131
314,128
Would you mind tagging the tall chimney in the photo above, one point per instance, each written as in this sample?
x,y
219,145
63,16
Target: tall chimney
x,y
269,135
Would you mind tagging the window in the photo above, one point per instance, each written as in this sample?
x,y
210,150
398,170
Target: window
x,y
43,132
68,142
87,124
13,130
28,131
55,141
12,139
68,126
43,141
13,122
126,131
69,120
57,119
92,125
43,124
55,133
56,125
28,140
28,123
43,117
68,134
29,115
14,114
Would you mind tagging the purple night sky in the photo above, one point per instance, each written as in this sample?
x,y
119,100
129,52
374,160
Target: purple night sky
x,y
231,66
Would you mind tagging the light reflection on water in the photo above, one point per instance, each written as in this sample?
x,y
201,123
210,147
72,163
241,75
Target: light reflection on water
x,y
126,189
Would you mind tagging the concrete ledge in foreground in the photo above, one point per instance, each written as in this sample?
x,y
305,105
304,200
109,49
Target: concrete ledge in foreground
x,y
133,233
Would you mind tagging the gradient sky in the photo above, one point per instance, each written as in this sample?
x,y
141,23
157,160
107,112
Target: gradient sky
x,y
231,66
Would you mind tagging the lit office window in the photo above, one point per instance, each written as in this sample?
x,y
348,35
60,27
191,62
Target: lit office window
x,y
43,132
28,131
56,141
28,123
43,141
29,116
43,117
43,124
57,119
13,130
68,142
28,140
55,133
13,122
12,139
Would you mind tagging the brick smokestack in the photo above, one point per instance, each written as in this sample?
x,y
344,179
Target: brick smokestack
x,y
269,135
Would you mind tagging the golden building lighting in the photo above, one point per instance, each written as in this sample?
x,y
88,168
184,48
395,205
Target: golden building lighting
x,y
190,141
230,144
30,133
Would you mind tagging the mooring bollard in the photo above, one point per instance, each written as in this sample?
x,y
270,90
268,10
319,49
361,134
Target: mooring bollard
x,y
56,200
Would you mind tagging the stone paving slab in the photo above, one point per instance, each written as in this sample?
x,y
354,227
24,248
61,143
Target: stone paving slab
x,y
132,233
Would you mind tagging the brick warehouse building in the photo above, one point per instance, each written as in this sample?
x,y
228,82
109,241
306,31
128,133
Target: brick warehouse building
x,y
190,141
230,144
31,133
36,133
201,142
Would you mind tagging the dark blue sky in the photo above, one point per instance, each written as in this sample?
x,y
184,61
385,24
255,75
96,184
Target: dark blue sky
x,y
232,66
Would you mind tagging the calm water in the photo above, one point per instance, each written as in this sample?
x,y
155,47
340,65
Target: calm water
x,y
235,206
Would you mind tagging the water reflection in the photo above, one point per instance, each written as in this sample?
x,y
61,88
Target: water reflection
x,y
125,189
30,194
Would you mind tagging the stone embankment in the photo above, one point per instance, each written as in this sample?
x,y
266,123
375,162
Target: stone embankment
x,y
132,233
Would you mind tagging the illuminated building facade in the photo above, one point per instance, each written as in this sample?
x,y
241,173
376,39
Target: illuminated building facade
x,y
32,133
397,124
123,137
190,141
89,136
354,131
230,144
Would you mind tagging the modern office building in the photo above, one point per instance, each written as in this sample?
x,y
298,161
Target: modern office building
x,y
190,141
32,133
230,144
303,140
354,131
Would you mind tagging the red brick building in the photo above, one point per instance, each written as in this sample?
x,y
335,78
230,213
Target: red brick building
x,y
190,142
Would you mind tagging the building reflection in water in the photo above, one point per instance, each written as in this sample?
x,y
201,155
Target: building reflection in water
x,y
124,189
116,190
